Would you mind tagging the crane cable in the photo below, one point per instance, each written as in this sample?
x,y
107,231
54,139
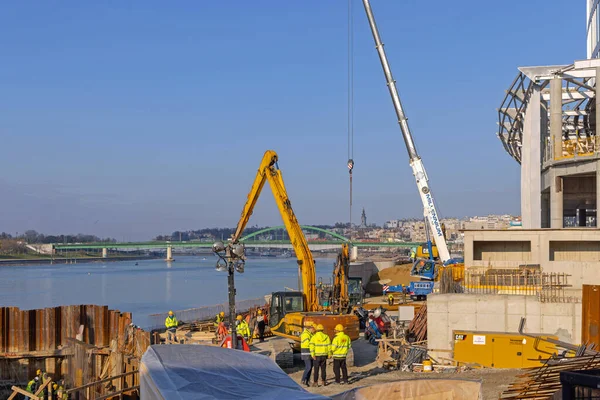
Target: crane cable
x,y
350,101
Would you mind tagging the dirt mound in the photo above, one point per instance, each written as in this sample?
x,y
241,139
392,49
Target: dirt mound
x,y
396,275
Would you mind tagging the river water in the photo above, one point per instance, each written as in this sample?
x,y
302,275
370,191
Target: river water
x,y
152,286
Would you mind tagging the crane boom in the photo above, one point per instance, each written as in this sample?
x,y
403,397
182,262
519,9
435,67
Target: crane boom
x,y
429,210
269,172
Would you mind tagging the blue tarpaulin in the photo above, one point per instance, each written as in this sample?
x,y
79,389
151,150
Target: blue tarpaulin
x,y
208,372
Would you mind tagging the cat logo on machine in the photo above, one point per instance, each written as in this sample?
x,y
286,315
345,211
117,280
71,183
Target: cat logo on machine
x,y
460,336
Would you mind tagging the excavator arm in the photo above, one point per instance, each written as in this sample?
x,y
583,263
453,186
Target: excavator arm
x,y
269,172
341,299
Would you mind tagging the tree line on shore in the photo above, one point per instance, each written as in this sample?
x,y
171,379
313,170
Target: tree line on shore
x,y
209,234
33,237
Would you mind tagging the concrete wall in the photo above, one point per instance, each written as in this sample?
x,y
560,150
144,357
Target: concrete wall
x,y
497,313
502,250
572,251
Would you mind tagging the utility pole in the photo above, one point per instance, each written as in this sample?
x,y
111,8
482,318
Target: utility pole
x,y
231,258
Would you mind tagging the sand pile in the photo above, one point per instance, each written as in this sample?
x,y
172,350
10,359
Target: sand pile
x,y
396,275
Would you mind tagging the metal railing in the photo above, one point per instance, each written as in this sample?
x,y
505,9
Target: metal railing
x,y
547,287
157,321
579,147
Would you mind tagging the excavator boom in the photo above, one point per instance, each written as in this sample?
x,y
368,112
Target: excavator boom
x,y
341,299
269,172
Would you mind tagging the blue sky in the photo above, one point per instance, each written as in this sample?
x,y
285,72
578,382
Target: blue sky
x,y
133,119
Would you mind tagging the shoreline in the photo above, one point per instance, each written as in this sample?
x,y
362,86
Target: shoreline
x,y
25,262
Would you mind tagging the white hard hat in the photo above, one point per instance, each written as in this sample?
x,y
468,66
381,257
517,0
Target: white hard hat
x,y
377,313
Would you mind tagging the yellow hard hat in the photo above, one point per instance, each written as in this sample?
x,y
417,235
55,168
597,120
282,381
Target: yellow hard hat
x,y
319,327
239,317
170,312
339,328
38,372
222,313
259,312
309,324
55,386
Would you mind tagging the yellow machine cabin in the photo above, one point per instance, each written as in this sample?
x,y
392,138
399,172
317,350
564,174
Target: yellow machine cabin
x,y
289,310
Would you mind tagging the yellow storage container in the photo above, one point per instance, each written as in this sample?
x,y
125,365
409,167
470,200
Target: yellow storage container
x,y
501,350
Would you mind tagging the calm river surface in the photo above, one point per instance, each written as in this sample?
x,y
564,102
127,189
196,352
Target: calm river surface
x,y
152,286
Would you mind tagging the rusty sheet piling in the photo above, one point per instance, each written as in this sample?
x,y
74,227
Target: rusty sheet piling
x,y
80,343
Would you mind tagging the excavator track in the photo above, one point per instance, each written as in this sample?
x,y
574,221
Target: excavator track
x,y
281,353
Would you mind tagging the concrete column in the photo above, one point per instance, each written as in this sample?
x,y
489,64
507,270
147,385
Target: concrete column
x,y
556,115
354,253
104,252
556,202
169,253
531,198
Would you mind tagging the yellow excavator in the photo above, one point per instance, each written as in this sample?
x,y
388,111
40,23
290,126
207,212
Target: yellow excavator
x,y
290,309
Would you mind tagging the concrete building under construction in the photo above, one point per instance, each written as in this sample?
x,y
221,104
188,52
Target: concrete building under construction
x,y
549,122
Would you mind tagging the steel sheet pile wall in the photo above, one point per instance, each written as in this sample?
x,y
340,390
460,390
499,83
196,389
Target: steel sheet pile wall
x,y
25,331
42,337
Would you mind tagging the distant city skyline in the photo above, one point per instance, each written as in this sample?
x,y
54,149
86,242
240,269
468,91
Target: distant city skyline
x,y
151,118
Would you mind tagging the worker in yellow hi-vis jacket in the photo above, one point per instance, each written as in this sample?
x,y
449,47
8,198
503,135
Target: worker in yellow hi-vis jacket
x,y
171,325
340,345
307,334
320,350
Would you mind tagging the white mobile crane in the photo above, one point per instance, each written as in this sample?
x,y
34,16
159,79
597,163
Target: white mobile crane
x,y
416,163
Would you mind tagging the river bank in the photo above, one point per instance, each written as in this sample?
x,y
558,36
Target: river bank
x,y
24,262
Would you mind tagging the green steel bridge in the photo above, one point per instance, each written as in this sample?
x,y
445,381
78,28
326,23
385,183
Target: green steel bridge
x,y
252,240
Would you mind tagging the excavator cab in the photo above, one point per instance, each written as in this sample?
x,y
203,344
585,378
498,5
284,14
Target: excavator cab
x,y
283,303
355,291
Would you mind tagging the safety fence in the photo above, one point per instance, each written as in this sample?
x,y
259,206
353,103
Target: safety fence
x,y
579,147
157,321
548,287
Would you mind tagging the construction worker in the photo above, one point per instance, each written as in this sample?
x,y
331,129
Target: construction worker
x,y
413,254
242,328
340,345
61,393
320,350
32,386
305,336
171,325
390,299
219,318
260,322
55,391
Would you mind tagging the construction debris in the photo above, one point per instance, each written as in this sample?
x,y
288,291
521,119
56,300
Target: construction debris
x,y
417,328
543,382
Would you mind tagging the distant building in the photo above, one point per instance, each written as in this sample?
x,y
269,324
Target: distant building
x,y
363,220
393,224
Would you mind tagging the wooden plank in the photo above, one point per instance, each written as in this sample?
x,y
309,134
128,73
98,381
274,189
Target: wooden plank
x,y
108,396
18,390
41,388
38,354
101,381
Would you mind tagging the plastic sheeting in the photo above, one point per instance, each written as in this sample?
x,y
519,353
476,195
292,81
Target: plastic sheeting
x,y
417,389
209,372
